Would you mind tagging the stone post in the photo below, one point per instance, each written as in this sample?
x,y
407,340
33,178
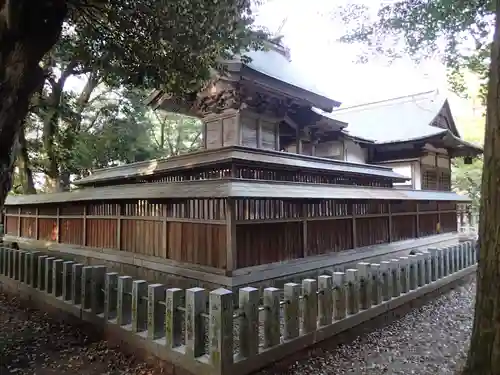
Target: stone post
x,y
446,261
291,311
413,269
271,317
428,268
97,291
20,266
57,277
421,269
386,276
376,281
41,272
339,295
86,287
440,261
325,300
454,260
67,278
33,256
173,318
15,264
196,304
405,274
49,269
352,291
156,312
26,268
110,296
364,285
2,257
139,314
76,284
249,300
221,330
124,302
396,277
310,304
468,254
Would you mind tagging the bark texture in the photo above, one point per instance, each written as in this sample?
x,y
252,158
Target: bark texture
x,y
23,164
28,30
484,354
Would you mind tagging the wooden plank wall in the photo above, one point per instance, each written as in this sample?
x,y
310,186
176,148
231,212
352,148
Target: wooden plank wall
x,y
190,231
267,230
270,230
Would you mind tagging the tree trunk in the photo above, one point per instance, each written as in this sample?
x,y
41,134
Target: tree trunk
x,y
28,30
23,163
484,353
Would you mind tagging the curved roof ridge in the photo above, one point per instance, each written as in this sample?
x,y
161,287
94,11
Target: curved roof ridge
x,y
391,101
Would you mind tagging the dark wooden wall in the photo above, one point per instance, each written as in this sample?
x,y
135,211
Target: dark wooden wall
x,y
276,230
196,230
190,231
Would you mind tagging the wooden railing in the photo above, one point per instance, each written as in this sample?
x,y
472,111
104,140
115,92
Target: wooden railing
x,y
205,333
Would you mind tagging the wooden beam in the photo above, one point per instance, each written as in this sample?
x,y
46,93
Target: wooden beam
x,y
231,250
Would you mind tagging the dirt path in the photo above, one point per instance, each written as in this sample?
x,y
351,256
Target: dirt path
x,y
33,343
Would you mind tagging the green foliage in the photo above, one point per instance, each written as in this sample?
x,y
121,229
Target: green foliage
x,y
170,44
459,32
466,179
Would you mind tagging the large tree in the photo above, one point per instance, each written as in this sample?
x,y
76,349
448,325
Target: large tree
x,y
170,44
461,32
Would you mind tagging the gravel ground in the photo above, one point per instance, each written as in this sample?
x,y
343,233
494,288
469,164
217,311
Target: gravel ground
x,y
433,340
33,343
430,340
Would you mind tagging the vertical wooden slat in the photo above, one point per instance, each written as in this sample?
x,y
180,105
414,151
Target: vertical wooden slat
x,y
58,225
354,231
37,211
231,250
19,221
389,215
305,241
119,227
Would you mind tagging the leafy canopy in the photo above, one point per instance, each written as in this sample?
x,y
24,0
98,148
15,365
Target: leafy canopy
x,y
170,44
458,32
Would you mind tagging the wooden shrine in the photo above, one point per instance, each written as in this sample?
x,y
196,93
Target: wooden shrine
x,y
254,199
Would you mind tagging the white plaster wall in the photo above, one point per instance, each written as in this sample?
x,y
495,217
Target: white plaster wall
x,y
332,149
409,169
353,152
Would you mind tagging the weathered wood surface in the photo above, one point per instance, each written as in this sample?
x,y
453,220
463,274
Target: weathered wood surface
x,y
235,154
246,233
237,188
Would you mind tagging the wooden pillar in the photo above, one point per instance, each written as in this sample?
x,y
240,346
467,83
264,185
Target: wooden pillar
x,y
354,231
119,227
305,241
19,221
231,254
58,220
417,227
389,211
439,228
84,224
37,224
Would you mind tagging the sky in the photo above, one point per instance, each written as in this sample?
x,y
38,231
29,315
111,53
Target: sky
x,y
311,33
